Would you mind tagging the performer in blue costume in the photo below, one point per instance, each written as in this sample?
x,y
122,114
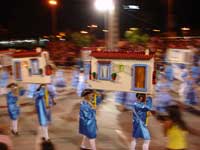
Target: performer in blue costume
x,y
43,103
195,70
87,120
13,107
120,97
59,80
169,72
31,88
82,83
163,97
140,113
190,94
75,78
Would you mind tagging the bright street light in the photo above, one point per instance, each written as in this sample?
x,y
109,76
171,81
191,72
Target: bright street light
x,y
53,2
185,29
92,26
156,30
133,29
105,30
83,32
104,5
131,7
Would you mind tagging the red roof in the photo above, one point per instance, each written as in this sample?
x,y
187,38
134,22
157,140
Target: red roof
x,y
6,51
88,48
121,55
25,54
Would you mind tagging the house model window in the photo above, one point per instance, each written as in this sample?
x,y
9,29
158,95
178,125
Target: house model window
x,y
139,77
35,70
104,70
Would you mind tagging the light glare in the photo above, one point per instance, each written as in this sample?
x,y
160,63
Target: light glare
x,y
104,5
52,2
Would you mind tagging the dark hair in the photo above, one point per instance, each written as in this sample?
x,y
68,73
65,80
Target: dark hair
x,y
3,146
38,89
47,145
175,115
86,92
139,95
11,84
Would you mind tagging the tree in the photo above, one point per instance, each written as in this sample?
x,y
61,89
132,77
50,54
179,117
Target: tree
x,y
82,40
136,37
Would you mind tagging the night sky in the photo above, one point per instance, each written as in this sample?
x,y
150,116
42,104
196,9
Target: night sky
x,y
33,17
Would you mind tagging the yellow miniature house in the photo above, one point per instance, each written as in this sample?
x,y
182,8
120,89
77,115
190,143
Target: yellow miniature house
x,y
31,67
122,71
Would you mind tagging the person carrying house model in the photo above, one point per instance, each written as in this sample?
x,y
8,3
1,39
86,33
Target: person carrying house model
x,y
43,104
141,108
87,119
13,105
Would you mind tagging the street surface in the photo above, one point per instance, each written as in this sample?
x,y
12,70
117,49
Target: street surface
x,y
114,126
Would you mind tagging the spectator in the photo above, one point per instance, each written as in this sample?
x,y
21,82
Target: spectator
x,y
175,129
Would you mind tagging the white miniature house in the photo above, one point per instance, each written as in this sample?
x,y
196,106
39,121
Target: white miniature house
x,y
122,71
31,67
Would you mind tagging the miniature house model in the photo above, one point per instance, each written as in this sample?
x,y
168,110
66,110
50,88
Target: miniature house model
x,y
122,71
31,67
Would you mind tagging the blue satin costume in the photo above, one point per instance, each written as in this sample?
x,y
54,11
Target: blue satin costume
x,y
120,97
195,72
75,77
44,114
169,73
59,80
163,97
141,110
191,95
81,85
87,121
13,108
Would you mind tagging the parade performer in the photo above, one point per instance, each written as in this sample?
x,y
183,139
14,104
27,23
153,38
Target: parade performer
x,y
13,107
43,103
75,78
140,112
190,94
87,120
195,70
162,98
31,88
120,97
82,83
169,72
59,80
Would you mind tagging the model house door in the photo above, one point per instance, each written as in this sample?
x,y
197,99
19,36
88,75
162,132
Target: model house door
x,y
139,78
17,71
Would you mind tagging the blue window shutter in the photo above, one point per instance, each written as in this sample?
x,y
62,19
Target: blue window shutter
x,y
106,66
